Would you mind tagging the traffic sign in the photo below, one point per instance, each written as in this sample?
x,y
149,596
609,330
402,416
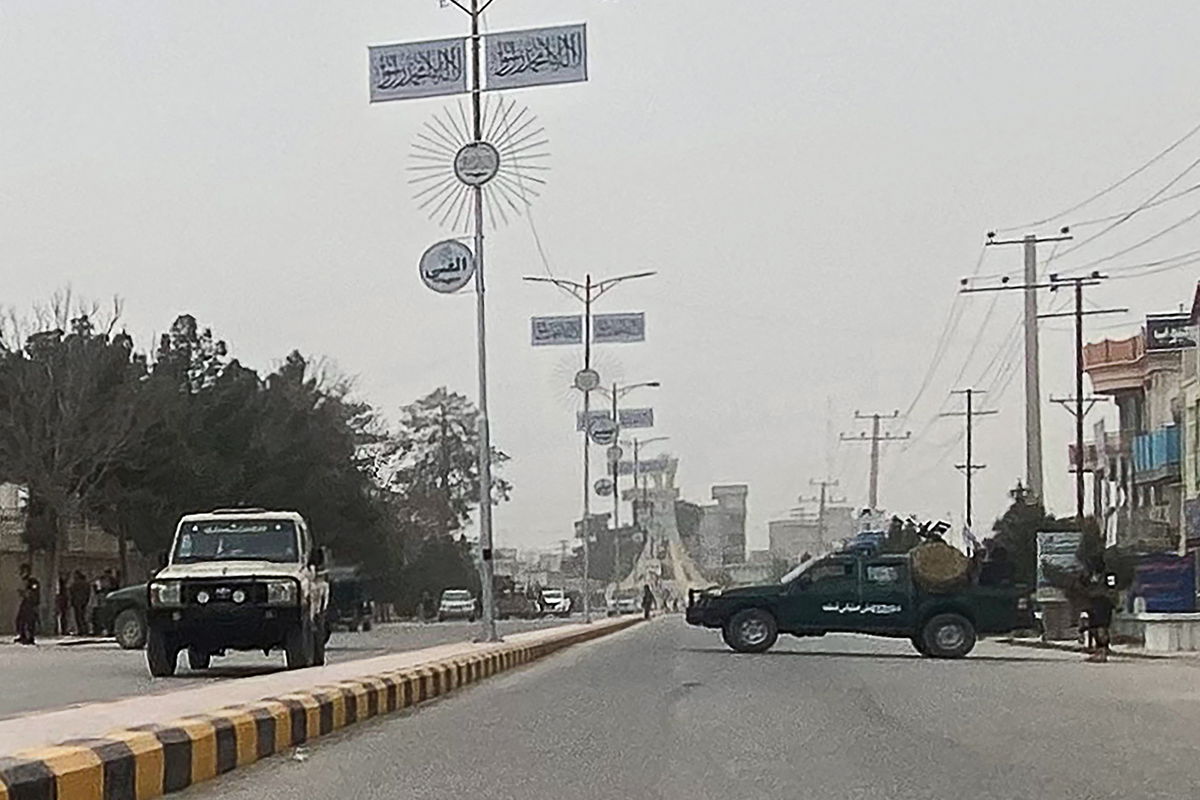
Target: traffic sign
x,y
447,266
476,163
603,431
604,487
587,380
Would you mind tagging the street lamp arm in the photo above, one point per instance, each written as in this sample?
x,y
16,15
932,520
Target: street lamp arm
x,y
604,285
577,290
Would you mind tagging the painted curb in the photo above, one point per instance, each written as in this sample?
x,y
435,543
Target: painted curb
x,y
152,760
1066,647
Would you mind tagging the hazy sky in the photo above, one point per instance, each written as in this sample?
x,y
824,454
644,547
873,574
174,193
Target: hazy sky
x,y
810,180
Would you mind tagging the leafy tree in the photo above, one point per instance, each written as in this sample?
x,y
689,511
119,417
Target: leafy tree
x,y
1016,531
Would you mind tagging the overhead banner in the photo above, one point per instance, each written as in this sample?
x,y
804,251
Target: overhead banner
x,y
535,57
1169,332
629,417
646,467
556,330
619,328
418,69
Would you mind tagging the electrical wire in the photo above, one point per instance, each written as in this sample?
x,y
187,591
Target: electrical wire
x,y
1116,185
1110,217
1157,235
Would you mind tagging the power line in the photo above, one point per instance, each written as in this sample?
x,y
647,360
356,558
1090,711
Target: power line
x,y
1110,217
1143,242
1159,156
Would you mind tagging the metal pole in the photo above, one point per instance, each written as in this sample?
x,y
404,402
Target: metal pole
x,y
635,485
970,464
488,632
1079,402
616,496
1033,389
821,518
587,442
874,463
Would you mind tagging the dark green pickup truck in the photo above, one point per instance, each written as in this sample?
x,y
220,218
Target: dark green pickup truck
x,y
860,593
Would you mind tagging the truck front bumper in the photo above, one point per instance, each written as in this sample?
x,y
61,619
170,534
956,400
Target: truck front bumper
x,y
225,627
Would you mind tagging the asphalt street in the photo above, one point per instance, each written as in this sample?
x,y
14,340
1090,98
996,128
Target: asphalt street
x,y
55,676
664,711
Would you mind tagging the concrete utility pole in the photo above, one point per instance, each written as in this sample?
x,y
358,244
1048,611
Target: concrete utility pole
x,y
875,438
615,394
822,500
1033,388
1079,411
969,467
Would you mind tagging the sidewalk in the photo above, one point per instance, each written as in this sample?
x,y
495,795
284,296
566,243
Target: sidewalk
x,y
1118,650
60,641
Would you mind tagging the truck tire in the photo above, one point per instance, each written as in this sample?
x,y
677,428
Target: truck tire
x,y
752,630
919,646
948,636
298,646
366,626
198,659
161,654
130,629
318,659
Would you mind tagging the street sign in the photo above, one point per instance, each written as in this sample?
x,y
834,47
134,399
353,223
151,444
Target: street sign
x,y
418,69
604,487
447,266
603,431
476,163
1169,332
586,380
614,453
629,417
645,466
566,329
535,57
619,328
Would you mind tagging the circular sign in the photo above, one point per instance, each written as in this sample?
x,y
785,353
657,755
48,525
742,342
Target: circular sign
x,y
604,487
587,380
638,538
614,453
603,431
447,266
477,163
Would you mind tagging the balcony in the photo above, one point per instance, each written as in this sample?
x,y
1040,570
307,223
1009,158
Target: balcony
x,y
1156,455
1115,366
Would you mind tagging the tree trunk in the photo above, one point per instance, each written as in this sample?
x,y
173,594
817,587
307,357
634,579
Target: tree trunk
x,y
122,559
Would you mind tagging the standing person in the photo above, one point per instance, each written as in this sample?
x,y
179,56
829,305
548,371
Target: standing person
x,y
426,607
647,601
62,605
80,595
30,593
1100,611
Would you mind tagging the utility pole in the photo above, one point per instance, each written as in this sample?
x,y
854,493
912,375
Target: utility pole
x,y
822,500
1033,389
875,438
587,381
1079,411
969,467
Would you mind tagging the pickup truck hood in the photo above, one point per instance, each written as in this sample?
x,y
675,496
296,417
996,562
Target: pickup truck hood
x,y
762,590
235,569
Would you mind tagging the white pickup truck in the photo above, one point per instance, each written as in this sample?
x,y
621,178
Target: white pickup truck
x,y
238,579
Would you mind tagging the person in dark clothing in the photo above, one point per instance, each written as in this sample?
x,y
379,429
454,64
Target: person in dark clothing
x,y
62,605
80,594
647,601
30,593
427,607
1100,610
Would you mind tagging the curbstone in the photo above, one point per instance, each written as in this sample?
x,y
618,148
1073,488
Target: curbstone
x,y
148,761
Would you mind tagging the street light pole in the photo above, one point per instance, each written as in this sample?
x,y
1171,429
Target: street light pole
x,y
615,394
587,293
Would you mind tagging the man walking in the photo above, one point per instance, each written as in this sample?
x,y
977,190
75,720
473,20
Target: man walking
x,y
647,601
1100,611
30,592
80,593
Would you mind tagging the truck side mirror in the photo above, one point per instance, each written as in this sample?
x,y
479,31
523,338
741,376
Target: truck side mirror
x,y
319,558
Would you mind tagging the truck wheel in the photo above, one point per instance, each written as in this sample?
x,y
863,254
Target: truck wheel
x,y
366,625
948,636
198,659
161,655
751,631
298,646
130,629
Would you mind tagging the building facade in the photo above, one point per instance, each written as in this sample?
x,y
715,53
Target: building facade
x,y
722,529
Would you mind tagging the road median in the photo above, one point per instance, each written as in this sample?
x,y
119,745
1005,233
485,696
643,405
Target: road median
x,y
151,756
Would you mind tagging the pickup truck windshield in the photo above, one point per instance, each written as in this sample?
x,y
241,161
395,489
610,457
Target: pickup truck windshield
x,y
237,540
798,571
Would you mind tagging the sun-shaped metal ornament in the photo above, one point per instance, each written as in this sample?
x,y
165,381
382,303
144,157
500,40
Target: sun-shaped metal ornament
x,y
447,163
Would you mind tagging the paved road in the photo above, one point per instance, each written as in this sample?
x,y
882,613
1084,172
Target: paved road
x,y
54,676
663,711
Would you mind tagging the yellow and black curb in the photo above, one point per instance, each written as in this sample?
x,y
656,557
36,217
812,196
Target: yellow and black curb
x,y
152,760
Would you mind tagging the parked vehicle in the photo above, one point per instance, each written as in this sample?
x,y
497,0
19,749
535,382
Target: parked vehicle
x,y
861,593
123,612
238,579
625,602
349,605
457,604
555,602
515,604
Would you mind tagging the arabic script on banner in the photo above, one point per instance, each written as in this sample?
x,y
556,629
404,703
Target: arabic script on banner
x,y
514,59
418,69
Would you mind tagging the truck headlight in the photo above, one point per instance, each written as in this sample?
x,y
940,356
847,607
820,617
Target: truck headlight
x,y
166,593
281,593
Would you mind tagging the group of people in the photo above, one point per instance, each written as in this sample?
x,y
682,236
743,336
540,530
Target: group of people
x,y
73,597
